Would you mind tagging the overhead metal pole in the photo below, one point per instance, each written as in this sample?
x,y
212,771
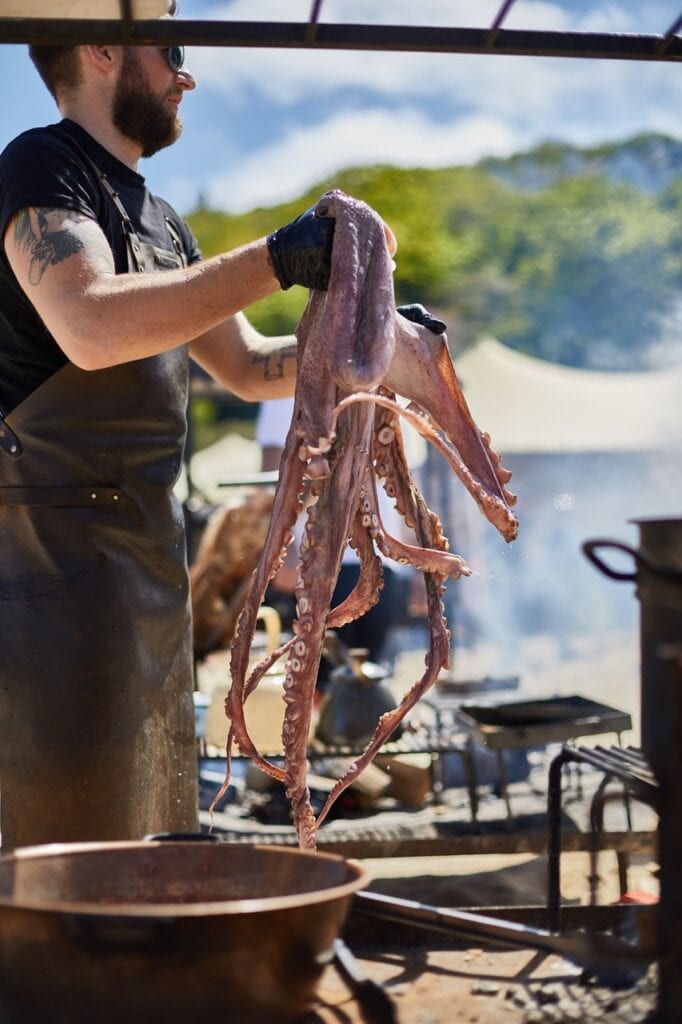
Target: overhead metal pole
x,y
297,35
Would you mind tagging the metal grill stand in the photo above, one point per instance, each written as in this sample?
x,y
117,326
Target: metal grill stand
x,y
653,775
629,766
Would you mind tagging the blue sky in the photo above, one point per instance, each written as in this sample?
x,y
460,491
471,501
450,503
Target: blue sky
x,y
265,124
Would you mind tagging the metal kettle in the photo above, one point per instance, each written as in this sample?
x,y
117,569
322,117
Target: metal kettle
x,y
356,697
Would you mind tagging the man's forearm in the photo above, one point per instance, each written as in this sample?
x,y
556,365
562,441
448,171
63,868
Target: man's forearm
x,y
247,363
148,314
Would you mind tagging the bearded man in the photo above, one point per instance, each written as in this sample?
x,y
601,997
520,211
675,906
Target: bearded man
x,y
103,296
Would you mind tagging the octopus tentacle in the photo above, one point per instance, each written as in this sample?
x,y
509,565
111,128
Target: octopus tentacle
x,y
249,749
391,466
299,685
273,770
437,658
425,559
491,505
286,508
370,581
422,372
325,536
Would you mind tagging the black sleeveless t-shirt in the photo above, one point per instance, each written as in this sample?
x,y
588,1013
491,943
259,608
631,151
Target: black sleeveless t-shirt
x,y
52,167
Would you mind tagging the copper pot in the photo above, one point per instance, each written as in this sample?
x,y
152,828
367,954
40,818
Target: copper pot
x,y
166,932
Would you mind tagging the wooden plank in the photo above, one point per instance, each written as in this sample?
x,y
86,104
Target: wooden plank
x,y
425,841
80,8
493,843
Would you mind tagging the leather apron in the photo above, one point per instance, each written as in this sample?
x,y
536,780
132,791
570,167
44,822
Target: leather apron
x,y
96,711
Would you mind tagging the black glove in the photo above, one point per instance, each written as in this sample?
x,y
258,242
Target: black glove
x,y
301,252
419,315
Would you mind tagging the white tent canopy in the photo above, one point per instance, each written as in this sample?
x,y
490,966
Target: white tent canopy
x,y
529,405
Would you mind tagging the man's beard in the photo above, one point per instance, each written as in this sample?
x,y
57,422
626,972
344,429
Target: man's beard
x,y
138,113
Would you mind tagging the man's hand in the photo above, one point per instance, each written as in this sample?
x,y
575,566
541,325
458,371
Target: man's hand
x,y
301,252
419,315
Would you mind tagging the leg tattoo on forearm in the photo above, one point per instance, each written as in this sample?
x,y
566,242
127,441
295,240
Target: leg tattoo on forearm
x,y
273,362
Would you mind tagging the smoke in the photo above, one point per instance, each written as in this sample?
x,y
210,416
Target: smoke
x,y
542,585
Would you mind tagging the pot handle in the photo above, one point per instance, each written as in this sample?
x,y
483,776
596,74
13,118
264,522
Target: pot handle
x,y
662,572
590,547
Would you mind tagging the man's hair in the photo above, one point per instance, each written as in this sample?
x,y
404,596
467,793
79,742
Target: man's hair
x,y
58,66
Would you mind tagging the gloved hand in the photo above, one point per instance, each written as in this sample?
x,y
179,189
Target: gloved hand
x,y
301,252
419,315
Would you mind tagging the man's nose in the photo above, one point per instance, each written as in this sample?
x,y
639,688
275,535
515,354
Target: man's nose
x,y
185,79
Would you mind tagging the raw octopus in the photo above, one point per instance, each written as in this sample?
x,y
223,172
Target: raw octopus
x,y
355,354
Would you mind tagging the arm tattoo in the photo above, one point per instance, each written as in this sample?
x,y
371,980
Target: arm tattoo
x,y
42,232
273,362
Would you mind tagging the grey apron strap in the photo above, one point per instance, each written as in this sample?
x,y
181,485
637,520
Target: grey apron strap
x,y
176,239
137,249
135,257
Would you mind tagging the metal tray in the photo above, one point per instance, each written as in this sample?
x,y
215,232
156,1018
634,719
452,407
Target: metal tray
x,y
531,723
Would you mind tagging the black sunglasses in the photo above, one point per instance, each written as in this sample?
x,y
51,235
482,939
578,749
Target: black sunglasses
x,y
175,55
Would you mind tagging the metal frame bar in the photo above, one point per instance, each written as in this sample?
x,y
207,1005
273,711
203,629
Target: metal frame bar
x,y
671,33
497,22
311,35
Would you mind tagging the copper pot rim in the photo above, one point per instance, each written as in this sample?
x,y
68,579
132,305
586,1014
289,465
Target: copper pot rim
x,y
358,878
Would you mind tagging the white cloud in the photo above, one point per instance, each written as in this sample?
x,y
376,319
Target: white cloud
x,y
320,111
401,138
366,12
566,15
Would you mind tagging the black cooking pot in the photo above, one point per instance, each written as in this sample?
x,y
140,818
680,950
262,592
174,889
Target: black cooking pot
x,y
167,932
658,578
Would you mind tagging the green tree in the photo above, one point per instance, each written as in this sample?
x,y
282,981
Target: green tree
x,y
580,271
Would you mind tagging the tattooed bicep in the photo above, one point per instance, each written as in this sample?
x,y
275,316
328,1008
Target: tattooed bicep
x,y
48,236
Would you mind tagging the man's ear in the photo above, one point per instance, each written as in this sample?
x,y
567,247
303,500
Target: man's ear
x,y
103,58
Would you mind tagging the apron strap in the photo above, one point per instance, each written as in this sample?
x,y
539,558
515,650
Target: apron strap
x,y
135,257
176,239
